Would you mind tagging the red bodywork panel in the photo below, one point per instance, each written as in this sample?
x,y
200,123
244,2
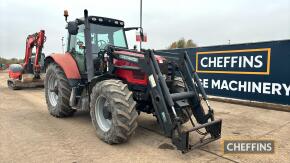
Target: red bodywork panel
x,y
135,77
159,58
14,75
68,64
131,76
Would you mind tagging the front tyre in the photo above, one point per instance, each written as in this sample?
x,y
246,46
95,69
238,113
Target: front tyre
x,y
113,112
57,92
177,87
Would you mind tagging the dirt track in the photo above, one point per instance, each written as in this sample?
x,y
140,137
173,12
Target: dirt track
x,y
29,134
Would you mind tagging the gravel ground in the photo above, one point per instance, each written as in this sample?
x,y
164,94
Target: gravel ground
x,y
29,134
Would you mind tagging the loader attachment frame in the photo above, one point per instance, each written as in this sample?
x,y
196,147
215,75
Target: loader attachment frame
x,y
164,102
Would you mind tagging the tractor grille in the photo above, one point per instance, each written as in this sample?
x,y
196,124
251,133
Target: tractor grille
x,y
137,74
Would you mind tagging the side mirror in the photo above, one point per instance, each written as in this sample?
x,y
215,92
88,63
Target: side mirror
x,y
72,28
131,28
141,37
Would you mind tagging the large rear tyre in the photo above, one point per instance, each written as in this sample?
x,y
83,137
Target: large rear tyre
x,y
177,87
57,92
113,112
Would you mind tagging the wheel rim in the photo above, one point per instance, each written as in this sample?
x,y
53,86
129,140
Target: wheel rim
x,y
52,90
102,113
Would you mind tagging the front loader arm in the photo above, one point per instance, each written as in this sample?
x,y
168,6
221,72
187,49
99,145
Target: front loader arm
x,y
165,102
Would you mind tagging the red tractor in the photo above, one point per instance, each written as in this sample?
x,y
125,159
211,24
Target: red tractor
x,y
100,74
30,73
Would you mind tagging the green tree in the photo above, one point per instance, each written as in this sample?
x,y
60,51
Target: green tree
x,y
10,61
182,43
173,45
190,44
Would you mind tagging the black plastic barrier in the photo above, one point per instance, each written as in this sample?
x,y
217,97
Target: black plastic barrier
x,y
252,71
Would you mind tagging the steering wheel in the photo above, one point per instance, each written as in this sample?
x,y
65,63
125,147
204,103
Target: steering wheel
x,y
102,44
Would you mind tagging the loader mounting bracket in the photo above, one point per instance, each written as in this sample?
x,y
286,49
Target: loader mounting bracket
x,y
181,141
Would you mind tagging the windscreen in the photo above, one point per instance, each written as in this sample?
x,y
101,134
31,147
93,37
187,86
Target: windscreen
x,y
104,35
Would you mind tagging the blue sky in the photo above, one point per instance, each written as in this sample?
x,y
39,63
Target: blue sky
x,y
207,22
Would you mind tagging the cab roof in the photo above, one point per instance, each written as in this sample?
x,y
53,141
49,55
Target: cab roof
x,y
102,21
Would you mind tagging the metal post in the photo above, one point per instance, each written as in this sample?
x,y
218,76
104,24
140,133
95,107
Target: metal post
x,y
88,42
141,30
62,44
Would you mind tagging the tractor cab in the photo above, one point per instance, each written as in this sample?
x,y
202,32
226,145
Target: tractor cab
x,y
101,31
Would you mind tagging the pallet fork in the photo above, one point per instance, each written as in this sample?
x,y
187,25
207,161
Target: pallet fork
x,y
163,100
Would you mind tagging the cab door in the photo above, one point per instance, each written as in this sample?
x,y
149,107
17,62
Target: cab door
x,y
77,49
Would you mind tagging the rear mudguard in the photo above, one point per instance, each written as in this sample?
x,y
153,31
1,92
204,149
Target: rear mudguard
x,y
66,62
